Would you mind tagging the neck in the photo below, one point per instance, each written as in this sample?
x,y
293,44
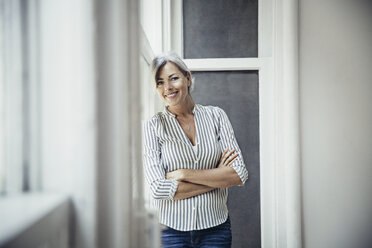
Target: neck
x,y
184,108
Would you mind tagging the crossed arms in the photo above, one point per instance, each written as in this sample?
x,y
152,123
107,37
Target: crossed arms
x,y
196,182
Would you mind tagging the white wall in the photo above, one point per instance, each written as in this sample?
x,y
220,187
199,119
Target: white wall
x,y
68,109
336,122
151,16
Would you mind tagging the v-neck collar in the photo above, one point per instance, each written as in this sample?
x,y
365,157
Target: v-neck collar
x,y
179,128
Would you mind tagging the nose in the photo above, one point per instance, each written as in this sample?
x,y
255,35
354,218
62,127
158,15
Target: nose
x,y
168,85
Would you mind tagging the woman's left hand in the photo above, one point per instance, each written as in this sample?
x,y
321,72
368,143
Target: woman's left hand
x,y
227,158
176,175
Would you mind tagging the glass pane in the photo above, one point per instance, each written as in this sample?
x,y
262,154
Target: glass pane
x,y
12,97
220,28
237,93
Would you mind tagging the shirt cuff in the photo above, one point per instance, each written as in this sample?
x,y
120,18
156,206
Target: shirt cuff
x,y
242,173
173,188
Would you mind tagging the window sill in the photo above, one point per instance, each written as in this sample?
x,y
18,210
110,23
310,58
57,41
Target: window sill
x,y
32,217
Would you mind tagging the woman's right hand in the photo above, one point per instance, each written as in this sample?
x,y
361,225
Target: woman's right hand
x,y
228,158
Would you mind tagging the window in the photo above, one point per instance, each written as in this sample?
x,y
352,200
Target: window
x,y
220,29
18,98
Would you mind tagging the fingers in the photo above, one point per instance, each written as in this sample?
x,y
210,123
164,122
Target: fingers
x,y
228,157
231,159
223,157
228,154
170,175
232,162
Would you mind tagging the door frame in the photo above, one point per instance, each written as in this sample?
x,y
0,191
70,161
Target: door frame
x,y
277,63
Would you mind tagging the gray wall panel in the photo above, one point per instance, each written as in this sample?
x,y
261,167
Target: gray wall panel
x,y
237,93
220,28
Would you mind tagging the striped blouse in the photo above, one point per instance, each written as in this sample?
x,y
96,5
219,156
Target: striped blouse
x,y
167,148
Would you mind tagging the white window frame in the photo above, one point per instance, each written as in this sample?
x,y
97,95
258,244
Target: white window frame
x,y
12,84
277,63
20,132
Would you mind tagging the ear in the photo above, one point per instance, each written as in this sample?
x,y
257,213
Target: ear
x,y
188,76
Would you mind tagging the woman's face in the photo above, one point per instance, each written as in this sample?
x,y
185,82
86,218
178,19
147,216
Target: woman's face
x,y
172,85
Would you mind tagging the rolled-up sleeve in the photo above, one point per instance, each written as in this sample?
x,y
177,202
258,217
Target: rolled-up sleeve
x,y
228,141
161,188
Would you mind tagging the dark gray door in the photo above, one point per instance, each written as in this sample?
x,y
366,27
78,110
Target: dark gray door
x,y
229,29
237,93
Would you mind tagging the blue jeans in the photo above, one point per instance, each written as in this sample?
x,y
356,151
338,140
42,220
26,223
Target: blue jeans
x,y
216,237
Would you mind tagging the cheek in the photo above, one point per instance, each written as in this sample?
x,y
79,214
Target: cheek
x,y
160,92
182,85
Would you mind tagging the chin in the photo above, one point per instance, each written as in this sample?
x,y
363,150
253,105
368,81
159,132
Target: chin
x,y
172,104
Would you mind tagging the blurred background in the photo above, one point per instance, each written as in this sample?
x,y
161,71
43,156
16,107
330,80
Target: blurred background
x,y
294,77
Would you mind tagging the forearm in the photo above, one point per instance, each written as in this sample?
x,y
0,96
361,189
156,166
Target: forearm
x,y
216,178
187,190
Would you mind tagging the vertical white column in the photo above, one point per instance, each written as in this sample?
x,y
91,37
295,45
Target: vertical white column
x,y
288,142
291,120
267,123
118,113
12,133
34,88
176,30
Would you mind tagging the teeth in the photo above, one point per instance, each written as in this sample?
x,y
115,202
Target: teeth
x,y
172,94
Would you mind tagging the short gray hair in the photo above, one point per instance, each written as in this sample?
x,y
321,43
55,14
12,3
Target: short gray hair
x,y
160,60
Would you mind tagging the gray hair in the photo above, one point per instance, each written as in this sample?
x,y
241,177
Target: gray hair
x,y
160,60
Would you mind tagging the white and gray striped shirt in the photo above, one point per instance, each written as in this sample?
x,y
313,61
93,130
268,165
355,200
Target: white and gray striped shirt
x,y
167,148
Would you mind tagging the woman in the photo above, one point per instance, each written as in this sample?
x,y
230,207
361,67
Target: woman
x,y
191,158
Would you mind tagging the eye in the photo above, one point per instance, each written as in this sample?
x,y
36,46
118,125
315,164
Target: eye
x,y
158,83
174,78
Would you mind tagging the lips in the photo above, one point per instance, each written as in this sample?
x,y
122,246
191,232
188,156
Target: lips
x,y
172,95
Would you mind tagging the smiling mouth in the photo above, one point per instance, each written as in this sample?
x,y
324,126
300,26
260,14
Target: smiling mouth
x,y
171,95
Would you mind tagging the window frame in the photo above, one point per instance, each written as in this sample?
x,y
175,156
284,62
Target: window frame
x,y
20,130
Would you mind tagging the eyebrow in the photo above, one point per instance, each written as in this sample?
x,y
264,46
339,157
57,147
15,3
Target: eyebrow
x,y
159,78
